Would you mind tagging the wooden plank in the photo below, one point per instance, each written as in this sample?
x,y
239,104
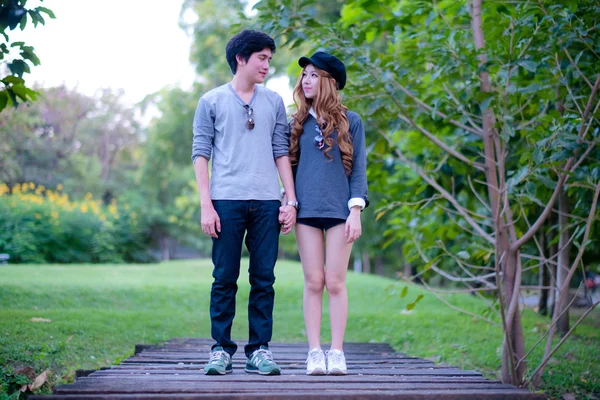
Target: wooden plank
x,y
450,371
311,395
199,376
121,385
174,370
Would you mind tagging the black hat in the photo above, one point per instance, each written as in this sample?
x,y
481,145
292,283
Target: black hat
x,y
329,63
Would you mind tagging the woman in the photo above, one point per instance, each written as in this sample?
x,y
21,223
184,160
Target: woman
x,y
327,150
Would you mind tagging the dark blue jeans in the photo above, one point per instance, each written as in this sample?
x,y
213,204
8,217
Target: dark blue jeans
x,y
258,219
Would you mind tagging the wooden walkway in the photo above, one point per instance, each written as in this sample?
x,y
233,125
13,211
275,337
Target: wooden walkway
x,y
174,371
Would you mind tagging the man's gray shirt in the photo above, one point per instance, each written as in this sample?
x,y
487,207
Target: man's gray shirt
x,y
243,161
322,187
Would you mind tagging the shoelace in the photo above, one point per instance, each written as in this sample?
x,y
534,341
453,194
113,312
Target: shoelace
x,y
315,357
334,357
216,355
266,356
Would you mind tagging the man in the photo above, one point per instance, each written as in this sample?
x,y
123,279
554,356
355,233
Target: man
x,y
243,126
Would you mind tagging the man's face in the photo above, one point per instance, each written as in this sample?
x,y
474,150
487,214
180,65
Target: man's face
x,y
256,68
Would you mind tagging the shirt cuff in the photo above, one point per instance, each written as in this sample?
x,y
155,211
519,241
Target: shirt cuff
x,y
356,201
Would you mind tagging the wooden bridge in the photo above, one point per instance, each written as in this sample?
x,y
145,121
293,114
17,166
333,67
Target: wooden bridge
x,y
174,370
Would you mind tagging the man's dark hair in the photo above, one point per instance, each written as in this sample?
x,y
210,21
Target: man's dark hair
x,y
244,44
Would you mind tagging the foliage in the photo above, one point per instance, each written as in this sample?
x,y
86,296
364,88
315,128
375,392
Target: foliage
x,y
13,14
86,143
476,120
98,313
41,225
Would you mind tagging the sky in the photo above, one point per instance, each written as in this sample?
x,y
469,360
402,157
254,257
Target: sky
x,y
134,45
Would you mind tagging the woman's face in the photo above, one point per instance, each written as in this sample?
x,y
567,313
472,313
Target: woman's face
x,y
310,81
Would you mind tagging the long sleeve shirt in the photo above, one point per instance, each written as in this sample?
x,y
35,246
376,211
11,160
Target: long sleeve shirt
x,y
243,160
322,187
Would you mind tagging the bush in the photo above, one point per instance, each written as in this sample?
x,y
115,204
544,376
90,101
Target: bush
x,y
44,226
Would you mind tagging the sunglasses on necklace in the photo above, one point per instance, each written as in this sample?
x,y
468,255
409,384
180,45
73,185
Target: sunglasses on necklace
x,y
319,140
250,121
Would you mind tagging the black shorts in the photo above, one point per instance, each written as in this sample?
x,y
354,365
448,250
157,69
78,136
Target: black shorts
x,y
321,223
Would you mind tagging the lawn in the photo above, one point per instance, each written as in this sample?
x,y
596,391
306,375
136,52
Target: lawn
x,y
63,318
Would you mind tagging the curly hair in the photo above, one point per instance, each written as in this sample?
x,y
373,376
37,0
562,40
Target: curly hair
x,y
332,116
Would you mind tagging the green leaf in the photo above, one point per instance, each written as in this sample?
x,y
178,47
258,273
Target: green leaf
x,y
485,103
414,303
561,155
517,177
3,99
7,80
28,54
538,155
534,87
23,22
404,292
46,10
18,67
529,65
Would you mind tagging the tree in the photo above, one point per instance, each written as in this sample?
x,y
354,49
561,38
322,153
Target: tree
x,y
85,143
13,14
464,97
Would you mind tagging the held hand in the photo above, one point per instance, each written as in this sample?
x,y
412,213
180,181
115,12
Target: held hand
x,y
353,226
211,223
287,218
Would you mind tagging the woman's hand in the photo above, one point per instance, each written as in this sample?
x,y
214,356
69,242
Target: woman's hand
x,y
287,218
353,226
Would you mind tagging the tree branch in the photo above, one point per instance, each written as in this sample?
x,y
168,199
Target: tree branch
x,y
577,68
540,369
440,190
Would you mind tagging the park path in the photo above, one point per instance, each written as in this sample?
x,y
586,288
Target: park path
x,y
173,370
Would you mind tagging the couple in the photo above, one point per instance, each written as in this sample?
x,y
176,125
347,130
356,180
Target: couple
x,y
243,127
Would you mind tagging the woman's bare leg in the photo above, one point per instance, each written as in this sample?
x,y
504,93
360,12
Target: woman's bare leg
x,y
337,256
310,247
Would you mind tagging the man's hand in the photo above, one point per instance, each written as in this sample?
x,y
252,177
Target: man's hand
x,y
211,223
353,226
287,218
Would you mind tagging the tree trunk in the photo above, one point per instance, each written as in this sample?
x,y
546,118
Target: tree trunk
x,y
544,276
366,262
408,271
164,247
553,250
379,267
562,269
507,261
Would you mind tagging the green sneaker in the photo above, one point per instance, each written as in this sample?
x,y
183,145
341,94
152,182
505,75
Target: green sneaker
x,y
219,363
261,362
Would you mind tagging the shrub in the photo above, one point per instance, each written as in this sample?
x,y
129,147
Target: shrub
x,y
38,225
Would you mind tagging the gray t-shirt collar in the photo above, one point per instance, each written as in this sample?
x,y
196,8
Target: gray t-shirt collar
x,y
239,99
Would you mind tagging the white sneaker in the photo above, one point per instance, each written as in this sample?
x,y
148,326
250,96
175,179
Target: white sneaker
x,y
315,362
336,362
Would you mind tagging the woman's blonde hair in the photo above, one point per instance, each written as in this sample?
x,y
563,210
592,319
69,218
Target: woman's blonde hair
x,y
332,116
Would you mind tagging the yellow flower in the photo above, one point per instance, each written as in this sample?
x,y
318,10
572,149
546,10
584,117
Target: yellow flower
x,y
31,185
59,187
88,196
84,208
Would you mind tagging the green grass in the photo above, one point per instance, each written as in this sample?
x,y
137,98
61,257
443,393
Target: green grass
x,y
99,312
